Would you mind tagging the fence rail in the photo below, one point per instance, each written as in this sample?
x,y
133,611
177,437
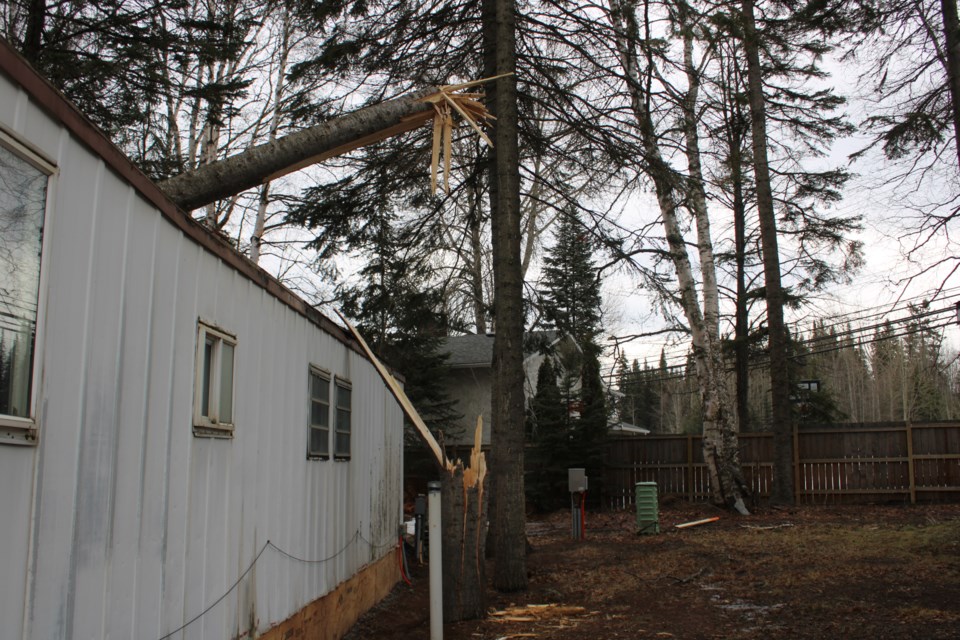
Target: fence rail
x,y
833,465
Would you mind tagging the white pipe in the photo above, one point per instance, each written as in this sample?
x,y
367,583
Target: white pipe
x,y
436,562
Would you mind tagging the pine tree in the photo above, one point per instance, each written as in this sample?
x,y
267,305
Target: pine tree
x,y
571,285
592,426
571,303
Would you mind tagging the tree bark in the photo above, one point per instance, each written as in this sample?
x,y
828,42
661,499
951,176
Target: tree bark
x,y
951,32
506,452
257,165
33,38
475,264
741,335
782,491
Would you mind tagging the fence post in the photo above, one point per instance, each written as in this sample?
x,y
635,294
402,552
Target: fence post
x,y
690,492
796,463
910,466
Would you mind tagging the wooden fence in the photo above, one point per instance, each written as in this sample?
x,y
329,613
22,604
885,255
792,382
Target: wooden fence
x,y
832,465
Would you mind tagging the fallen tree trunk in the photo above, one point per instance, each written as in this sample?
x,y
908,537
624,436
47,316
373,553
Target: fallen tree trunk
x,y
271,160
256,165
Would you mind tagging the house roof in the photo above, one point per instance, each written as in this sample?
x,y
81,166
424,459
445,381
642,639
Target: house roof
x,y
627,428
476,350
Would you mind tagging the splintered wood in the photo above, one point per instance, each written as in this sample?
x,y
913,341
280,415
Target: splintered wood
x,y
539,612
463,505
401,398
469,107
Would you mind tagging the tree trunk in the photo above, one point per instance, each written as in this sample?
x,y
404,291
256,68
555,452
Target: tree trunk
x,y
506,452
951,31
720,449
265,162
260,223
475,264
696,193
33,38
741,336
782,491
464,518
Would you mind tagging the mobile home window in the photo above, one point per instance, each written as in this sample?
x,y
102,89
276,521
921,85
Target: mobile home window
x,y
23,197
213,400
342,430
319,444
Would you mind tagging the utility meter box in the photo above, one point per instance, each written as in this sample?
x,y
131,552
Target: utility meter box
x,y
577,480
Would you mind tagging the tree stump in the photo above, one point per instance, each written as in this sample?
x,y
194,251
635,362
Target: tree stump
x,y
464,526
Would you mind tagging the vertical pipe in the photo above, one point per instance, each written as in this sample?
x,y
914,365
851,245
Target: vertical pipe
x,y
436,560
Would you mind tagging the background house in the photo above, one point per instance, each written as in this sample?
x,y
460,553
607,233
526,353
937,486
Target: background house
x,y
187,449
470,376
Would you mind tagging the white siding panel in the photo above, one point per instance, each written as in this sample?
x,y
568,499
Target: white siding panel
x,y
140,525
99,428
17,468
135,365
69,262
159,431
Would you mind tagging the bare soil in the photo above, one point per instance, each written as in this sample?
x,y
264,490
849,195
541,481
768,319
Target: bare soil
x,y
807,572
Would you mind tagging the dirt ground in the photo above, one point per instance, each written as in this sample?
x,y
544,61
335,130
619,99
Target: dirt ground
x,y
809,572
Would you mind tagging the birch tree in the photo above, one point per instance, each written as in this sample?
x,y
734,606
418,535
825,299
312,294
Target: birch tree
x,y
720,448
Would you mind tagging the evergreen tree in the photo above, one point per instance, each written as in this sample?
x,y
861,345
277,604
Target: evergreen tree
x,y
571,285
571,303
592,426
551,448
402,317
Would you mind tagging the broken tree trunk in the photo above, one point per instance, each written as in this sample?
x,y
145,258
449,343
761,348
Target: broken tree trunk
x,y
271,160
464,525
262,163
463,510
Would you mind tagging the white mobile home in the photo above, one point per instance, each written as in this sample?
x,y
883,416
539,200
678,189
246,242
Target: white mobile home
x,y
187,449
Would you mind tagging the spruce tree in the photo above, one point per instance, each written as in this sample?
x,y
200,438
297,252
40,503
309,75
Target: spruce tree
x,y
402,318
571,303
551,445
571,286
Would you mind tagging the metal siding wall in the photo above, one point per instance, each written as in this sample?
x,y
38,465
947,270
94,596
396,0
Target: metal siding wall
x,y
140,526
17,465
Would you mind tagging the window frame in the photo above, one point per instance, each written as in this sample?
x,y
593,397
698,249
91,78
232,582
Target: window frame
x,y
211,425
338,384
323,374
16,429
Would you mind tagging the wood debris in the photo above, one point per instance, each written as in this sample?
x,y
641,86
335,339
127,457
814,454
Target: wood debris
x,y
696,523
538,612
402,398
760,528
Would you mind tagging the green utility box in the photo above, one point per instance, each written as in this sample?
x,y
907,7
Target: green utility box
x,y
648,508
